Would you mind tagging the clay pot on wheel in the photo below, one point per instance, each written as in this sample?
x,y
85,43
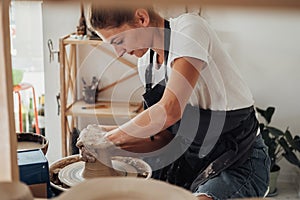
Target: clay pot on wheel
x,y
98,169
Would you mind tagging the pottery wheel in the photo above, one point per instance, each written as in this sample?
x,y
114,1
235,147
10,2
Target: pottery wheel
x,y
71,175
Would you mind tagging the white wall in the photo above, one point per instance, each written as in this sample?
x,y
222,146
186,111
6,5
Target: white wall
x,y
265,45
59,19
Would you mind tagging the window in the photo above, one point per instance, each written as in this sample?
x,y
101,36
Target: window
x,y
26,33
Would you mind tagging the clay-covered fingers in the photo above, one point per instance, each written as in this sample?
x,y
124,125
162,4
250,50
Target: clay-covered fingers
x,y
95,128
79,142
91,141
90,136
87,156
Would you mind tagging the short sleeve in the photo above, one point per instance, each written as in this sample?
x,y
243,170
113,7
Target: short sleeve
x,y
189,38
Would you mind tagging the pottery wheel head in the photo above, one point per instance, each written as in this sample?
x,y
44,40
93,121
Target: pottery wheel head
x,y
72,174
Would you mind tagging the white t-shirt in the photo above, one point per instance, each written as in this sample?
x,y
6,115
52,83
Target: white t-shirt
x,y
220,86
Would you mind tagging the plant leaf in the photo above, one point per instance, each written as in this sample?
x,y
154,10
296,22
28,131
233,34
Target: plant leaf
x,y
292,158
288,136
272,146
265,134
260,111
275,131
290,139
269,113
297,142
284,145
266,114
289,154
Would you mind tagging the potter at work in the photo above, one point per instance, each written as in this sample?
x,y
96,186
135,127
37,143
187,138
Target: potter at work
x,y
70,171
198,129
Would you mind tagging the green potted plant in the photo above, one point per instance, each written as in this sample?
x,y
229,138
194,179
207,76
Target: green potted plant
x,y
281,144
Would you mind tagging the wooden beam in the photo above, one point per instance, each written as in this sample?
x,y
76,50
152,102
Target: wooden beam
x,y
63,99
8,148
267,4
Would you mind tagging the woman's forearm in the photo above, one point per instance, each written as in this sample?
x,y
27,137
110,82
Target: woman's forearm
x,y
146,145
148,123
168,110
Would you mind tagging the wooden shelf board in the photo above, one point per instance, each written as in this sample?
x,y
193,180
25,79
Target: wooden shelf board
x,y
69,40
109,109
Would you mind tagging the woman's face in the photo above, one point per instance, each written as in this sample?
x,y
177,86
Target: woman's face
x,y
128,39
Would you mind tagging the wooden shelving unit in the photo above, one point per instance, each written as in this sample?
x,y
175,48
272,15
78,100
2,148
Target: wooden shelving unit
x,y
71,107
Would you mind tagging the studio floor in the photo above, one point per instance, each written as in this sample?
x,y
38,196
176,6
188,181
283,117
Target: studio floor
x,y
287,191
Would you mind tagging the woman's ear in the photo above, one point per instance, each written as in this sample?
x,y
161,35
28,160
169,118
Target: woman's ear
x,y
142,17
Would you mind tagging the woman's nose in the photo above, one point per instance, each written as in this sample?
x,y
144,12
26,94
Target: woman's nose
x,y
119,50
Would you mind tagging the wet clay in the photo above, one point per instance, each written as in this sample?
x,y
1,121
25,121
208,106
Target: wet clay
x,y
102,168
95,141
97,169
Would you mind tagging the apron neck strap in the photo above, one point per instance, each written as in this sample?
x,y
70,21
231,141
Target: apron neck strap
x,y
167,36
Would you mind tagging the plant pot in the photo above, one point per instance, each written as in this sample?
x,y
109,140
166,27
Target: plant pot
x,y
273,181
17,76
298,180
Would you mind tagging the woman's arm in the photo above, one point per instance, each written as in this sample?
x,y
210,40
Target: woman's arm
x,y
184,76
108,128
145,145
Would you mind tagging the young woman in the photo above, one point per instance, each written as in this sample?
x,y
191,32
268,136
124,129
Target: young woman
x,y
198,129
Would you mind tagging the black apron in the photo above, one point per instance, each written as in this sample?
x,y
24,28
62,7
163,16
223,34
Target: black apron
x,y
206,142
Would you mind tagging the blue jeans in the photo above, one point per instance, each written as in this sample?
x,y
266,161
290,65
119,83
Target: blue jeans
x,y
250,179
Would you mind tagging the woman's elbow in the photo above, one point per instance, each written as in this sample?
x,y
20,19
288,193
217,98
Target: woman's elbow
x,y
172,109
173,115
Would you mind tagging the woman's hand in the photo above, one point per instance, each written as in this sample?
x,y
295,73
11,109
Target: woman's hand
x,y
86,156
91,141
92,135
